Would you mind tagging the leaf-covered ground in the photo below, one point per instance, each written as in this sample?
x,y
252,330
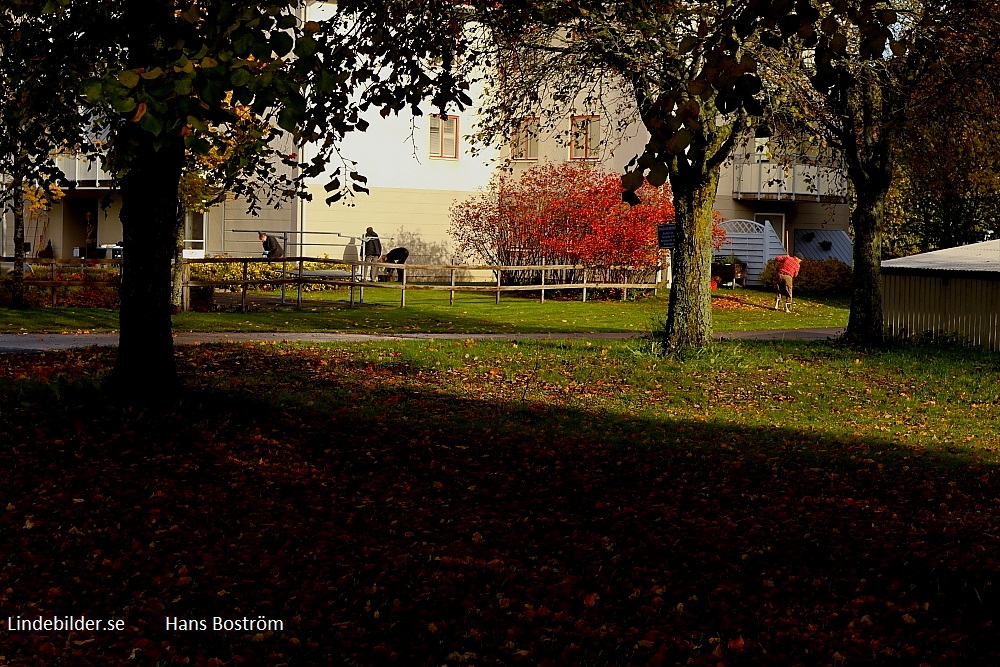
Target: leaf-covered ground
x,y
540,505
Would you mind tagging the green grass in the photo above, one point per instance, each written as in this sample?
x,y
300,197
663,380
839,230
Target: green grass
x,y
903,402
430,312
781,503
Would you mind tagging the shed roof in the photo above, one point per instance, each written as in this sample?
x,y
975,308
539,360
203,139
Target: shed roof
x,y
977,257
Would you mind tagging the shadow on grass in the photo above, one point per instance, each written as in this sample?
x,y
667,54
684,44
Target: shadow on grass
x,y
390,522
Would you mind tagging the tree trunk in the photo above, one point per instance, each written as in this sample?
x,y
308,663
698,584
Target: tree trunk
x,y
865,324
145,367
177,269
18,298
689,313
866,147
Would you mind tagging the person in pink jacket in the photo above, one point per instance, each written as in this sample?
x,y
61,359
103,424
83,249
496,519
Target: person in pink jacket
x,y
788,268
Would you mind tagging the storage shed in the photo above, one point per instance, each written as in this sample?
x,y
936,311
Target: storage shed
x,y
952,292
753,243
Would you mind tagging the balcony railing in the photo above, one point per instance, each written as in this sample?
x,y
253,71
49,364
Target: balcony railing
x,y
84,172
805,181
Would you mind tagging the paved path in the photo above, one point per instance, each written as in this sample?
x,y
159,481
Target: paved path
x,y
15,343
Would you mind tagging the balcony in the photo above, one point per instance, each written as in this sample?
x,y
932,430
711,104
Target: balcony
x,y
806,180
83,172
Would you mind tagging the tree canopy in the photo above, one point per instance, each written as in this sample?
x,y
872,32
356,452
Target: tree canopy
x,y
162,77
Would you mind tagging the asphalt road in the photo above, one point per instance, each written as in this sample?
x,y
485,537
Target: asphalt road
x,y
26,343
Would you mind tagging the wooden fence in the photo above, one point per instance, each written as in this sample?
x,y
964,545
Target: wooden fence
x,y
45,273
295,274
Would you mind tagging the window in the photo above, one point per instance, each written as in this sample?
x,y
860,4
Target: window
x,y
194,235
444,136
586,137
524,143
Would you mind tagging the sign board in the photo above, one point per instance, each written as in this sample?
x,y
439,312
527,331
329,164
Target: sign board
x,y
189,253
665,236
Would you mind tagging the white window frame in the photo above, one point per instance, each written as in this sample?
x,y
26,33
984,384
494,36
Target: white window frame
x,y
524,142
585,137
194,240
443,137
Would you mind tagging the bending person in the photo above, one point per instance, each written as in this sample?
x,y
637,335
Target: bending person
x,y
396,256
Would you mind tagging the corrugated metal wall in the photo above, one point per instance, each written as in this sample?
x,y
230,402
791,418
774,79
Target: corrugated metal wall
x,y
937,305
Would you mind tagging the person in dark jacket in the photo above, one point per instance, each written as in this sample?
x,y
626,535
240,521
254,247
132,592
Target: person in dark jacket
x,y
272,247
373,251
396,256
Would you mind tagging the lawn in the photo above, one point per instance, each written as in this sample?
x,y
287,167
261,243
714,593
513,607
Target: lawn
x,y
430,312
497,503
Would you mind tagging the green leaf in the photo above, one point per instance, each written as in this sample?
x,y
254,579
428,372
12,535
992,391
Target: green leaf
x,y
154,73
183,86
679,142
209,63
687,44
657,175
92,90
190,14
198,145
633,180
305,47
281,43
151,124
128,78
289,119
124,105
197,123
240,77
326,82
332,185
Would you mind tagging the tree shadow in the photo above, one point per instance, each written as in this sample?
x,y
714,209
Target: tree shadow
x,y
384,520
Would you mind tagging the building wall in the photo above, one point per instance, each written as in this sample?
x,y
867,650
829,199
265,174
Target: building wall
x,y
939,304
415,218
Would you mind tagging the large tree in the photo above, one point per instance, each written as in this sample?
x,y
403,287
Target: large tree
x,y
679,68
879,69
38,116
688,71
161,77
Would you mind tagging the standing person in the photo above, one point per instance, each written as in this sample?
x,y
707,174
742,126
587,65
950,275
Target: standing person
x,y
788,268
373,251
91,243
396,256
272,247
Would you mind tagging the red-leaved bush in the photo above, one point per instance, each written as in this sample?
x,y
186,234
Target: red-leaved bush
x,y
568,213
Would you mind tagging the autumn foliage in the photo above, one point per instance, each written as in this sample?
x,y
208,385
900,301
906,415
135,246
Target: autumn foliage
x,y
568,213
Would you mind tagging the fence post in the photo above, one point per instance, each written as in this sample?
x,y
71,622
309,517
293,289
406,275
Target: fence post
x,y
451,293
584,284
185,285
53,287
543,281
353,269
498,284
402,290
284,271
361,286
298,297
243,298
